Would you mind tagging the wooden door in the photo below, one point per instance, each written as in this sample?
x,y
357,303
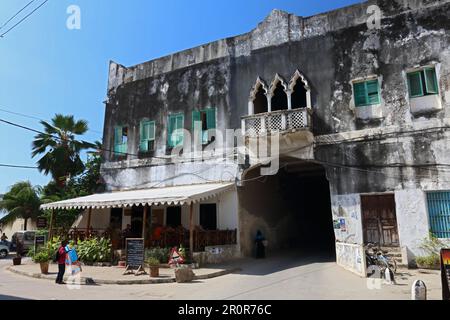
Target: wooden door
x,y
379,220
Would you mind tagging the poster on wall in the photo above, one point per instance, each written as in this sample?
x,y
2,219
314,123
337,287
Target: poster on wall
x,y
445,273
343,226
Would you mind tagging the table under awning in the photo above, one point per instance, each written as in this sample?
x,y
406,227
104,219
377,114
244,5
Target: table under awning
x,y
178,195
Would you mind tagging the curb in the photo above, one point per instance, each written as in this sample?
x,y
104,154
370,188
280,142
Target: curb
x,y
91,281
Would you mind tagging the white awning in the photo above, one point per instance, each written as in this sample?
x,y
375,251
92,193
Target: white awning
x,y
178,195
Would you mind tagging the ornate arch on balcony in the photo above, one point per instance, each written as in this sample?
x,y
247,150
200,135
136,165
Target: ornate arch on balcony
x,y
299,79
259,88
278,94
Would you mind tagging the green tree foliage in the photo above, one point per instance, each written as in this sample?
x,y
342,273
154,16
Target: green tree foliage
x,y
60,148
87,183
22,201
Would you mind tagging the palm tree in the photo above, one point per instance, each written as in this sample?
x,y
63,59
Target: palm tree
x,y
60,147
22,201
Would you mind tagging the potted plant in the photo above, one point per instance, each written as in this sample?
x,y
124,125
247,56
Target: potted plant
x,y
17,260
43,258
154,267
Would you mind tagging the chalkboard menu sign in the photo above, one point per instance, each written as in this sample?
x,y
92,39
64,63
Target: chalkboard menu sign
x,y
445,273
135,252
39,241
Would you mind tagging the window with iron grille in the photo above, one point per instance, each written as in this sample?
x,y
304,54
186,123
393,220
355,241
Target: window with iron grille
x,y
439,213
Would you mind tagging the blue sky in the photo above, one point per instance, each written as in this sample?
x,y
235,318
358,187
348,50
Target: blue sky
x,y
47,68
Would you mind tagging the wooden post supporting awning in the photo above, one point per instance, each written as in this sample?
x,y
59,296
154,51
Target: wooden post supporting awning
x,y
191,230
144,223
88,230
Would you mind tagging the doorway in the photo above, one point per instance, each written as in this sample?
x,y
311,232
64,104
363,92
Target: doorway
x,y
379,220
137,216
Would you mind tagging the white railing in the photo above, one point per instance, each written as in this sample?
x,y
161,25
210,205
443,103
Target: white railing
x,y
276,121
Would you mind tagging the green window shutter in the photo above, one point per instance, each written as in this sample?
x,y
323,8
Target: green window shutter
x,y
143,143
360,94
415,84
171,127
117,139
179,126
151,130
431,81
148,130
176,122
211,118
196,118
373,92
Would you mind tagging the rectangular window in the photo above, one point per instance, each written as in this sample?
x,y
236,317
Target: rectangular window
x,y
422,83
207,117
439,213
208,216
120,140
175,130
173,216
147,140
366,93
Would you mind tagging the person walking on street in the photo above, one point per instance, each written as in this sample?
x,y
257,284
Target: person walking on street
x,y
260,248
61,259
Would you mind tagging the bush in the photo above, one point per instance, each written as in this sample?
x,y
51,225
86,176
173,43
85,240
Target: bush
x,y
152,261
94,250
42,256
432,247
161,254
430,261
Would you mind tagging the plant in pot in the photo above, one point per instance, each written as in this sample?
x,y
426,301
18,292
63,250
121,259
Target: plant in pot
x,y
43,258
17,260
154,267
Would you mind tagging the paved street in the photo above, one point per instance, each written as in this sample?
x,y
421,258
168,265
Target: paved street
x,y
282,277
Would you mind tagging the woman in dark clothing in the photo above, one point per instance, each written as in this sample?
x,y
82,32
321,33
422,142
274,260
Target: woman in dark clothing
x,y
260,248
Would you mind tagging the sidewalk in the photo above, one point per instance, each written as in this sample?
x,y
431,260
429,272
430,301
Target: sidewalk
x,y
114,275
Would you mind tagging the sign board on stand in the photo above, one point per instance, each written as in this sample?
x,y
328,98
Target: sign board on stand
x,y
445,273
39,241
135,256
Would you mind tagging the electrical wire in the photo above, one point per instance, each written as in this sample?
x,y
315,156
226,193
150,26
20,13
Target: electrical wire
x,y
23,19
16,14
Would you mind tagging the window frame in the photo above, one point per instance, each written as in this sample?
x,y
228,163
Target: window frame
x,y
367,95
204,133
425,84
170,132
141,135
124,145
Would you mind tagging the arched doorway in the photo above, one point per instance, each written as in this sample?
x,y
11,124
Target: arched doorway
x,y
292,208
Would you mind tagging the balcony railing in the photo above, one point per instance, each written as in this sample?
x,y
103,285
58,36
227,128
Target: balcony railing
x,y
276,121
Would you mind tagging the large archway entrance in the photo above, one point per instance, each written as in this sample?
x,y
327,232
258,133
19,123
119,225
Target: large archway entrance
x,y
292,209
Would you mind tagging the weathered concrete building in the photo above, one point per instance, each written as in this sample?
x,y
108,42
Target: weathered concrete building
x,y
358,100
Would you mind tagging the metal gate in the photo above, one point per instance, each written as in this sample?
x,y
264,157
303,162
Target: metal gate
x,y
379,220
439,213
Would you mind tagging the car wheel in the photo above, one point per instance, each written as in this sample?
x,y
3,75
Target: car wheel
x,y
3,254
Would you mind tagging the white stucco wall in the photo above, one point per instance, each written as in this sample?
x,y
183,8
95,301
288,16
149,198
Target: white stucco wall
x,y
99,219
17,225
412,220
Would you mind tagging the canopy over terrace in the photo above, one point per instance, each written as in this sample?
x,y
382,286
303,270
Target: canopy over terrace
x,y
178,195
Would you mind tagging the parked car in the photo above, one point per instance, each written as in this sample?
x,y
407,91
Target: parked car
x,y
4,251
26,238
